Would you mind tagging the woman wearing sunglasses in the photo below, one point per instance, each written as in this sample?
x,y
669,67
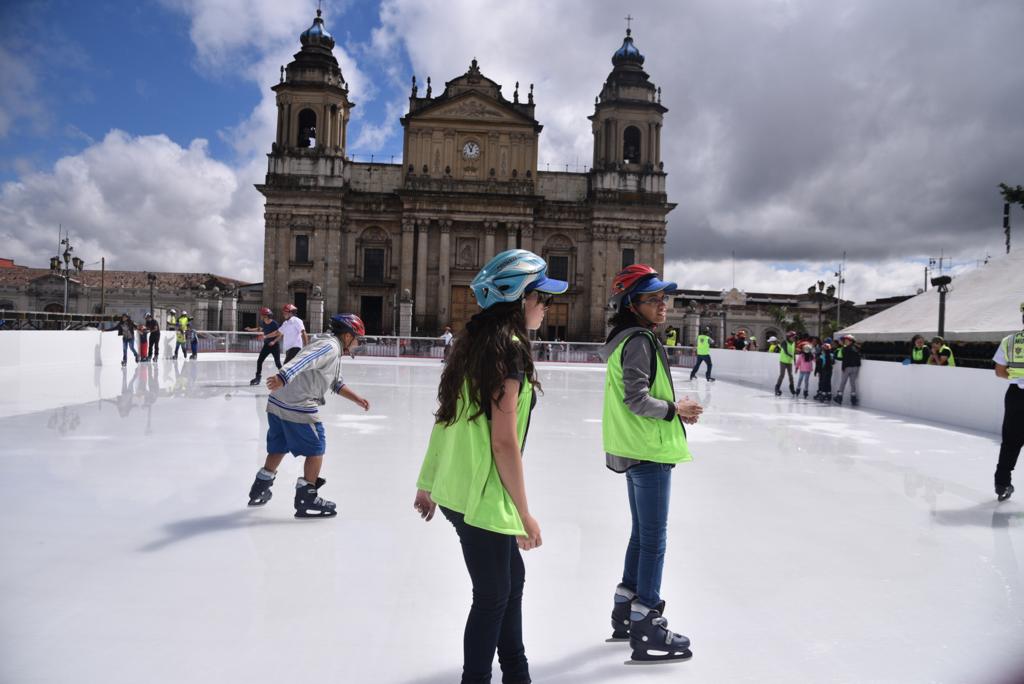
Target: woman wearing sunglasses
x,y
643,438
473,467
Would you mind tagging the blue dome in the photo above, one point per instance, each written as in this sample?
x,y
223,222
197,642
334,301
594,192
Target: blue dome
x,y
628,53
317,34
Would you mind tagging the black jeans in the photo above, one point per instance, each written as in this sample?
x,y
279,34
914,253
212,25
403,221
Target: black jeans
x,y
496,617
290,354
1013,434
268,350
701,358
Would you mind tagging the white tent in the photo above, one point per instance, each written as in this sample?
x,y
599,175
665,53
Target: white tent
x,y
982,305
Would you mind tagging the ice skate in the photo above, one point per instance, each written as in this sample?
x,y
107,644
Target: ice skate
x,y
710,379
651,639
805,394
309,504
853,400
260,493
124,363
778,392
255,381
620,613
838,399
1003,494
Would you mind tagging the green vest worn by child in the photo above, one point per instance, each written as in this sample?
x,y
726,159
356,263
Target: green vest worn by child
x,y
459,469
918,354
632,436
786,352
703,345
946,351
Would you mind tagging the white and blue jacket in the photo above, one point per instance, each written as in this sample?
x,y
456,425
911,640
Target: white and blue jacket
x,y
308,377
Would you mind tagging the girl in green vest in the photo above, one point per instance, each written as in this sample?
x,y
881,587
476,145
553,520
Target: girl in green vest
x,y
919,352
473,467
643,438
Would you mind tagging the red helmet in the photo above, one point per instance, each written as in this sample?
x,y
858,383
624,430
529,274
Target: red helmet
x,y
627,279
346,322
266,312
289,307
791,333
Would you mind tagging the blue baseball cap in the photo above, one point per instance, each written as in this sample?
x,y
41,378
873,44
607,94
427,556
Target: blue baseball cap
x,y
548,285
653,284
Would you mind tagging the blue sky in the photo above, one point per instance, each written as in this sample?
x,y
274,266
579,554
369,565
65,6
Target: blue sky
x,y
133,66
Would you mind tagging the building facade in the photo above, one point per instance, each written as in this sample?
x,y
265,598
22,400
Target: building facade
x,y
400,243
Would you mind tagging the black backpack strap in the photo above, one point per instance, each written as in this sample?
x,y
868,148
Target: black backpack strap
x,y
654,353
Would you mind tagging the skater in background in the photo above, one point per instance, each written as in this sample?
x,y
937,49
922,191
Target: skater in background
x,y
126,329
292,332
643,438
740,342
752,344
1009,361
271,343
823,369
473,467
804,368
919,352
446,339
787,350
941,354
192,340
704,343
152,327
296,394
180,343
773,345
850,368
671,336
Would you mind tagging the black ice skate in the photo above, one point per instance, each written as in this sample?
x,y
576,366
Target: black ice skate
x,y
853,400
778,392
838,399
309,504
255,381
1003,494
805,394
260,493
620,613
710,379
651,639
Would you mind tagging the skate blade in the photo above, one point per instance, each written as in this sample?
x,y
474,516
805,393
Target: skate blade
x,y
616,640
669,657
316,514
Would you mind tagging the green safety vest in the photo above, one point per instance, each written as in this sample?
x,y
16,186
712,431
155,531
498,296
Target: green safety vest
x,y
1013,348
774,348
839,354
670,339
786,352
947,350
632,436
703,345
459,469
917,355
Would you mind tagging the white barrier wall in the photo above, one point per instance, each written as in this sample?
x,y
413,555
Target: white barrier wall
x,y
964,397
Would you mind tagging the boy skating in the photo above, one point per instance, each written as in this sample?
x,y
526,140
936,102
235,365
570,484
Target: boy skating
x,y
271,343
297,392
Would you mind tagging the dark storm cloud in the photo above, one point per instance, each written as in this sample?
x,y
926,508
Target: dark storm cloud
x,y
800,129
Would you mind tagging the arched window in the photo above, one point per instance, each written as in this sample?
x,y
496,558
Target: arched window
x,y
631,145
307,129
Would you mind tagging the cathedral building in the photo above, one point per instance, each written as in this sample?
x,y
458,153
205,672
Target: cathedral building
x,y
400,243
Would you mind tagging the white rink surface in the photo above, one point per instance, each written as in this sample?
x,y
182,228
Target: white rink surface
x,y
806,543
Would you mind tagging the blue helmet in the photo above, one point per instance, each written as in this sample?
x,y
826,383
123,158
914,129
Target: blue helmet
x,y
510,275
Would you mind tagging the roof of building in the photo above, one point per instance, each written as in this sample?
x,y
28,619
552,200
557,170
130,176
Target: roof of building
x,y
982,305
123,279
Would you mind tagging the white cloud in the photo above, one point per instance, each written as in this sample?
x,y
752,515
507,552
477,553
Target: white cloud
x,y
144,202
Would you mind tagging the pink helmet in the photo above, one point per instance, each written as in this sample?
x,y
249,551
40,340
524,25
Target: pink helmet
x,y
289,308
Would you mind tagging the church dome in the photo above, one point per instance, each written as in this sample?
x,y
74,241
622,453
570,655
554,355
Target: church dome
x,y
628,53
317,34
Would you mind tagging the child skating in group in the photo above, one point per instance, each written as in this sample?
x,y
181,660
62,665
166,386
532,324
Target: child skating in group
x,y
473,468
296,393
850,359
643,438
825,363
787,350
804,368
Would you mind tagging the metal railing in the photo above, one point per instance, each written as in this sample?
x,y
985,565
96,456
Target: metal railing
x,y
387,346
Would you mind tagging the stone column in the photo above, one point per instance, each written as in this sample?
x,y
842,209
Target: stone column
x,y
408,237
199,316
488,240
692,328
422,231
527,232
405,314
315,307
511,230
444,291
598,283
229,312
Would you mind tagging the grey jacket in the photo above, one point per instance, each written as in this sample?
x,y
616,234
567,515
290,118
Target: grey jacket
x,y
308,377
636,380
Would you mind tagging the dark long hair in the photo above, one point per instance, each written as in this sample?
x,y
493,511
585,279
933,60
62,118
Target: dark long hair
x,y
624,318
481,354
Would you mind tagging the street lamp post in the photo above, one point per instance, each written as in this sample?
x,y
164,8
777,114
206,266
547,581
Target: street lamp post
x,y
152,280
942,282
69,263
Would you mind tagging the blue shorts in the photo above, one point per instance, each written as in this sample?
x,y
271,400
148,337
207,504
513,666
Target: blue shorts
x,y
301,439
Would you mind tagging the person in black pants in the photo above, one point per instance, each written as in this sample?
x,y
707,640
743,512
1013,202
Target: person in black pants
x,y
153,330
1009,361
271,346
